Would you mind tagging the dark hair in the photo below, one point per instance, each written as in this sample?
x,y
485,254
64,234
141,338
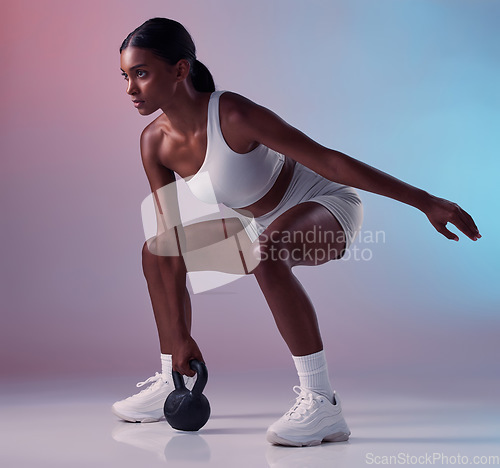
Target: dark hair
x,y
170,41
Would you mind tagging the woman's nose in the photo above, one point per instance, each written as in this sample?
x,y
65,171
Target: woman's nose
x,y
131,88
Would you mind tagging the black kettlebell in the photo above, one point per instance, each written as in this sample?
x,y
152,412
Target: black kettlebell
x,y
188,410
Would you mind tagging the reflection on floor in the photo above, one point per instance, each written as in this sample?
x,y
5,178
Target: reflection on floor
x,y
68,423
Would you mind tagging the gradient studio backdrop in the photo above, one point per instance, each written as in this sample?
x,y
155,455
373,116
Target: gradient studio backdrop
x,y
410,87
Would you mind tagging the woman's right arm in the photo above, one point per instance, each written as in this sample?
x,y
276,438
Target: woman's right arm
x,y
168,246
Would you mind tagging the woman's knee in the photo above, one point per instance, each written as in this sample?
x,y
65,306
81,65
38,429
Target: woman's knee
x,y
272,253
159,248
149,259
163,245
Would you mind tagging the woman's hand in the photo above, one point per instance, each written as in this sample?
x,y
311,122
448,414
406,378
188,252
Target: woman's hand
x,y
440,212
184,351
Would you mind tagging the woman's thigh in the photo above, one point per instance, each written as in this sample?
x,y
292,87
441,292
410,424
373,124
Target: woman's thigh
x,y
305,234
213,245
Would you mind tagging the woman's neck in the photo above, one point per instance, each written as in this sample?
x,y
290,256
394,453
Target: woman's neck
x,y
187,113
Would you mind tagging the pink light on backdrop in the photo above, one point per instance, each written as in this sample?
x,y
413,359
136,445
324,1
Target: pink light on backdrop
x,y
74,298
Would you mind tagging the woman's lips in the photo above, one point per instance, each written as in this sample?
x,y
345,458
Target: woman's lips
x,y
138,103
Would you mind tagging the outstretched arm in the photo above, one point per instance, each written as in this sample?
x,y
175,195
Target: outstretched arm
x,y
261,125
349,171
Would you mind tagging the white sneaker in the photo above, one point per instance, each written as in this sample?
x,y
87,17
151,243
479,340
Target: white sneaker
x,y
312,420
147,405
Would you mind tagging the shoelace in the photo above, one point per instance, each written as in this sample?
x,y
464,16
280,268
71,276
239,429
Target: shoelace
x,y
152,379
303,403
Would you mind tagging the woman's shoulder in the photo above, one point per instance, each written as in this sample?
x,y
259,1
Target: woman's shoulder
x,y
235,100
154,143
154,133
235,107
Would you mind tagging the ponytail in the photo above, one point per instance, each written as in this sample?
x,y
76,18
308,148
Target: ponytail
x,y
202,78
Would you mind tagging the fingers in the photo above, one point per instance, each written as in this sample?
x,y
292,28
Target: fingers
x,y
463,221
189,373
184,368
446,233
467,226
444,211
466,229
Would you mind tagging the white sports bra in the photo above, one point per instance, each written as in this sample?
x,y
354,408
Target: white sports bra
x,y
231,178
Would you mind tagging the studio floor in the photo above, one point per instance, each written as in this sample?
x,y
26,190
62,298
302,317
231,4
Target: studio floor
x,y
68,423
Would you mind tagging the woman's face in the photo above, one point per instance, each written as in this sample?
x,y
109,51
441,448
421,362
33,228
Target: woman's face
x,y
150,80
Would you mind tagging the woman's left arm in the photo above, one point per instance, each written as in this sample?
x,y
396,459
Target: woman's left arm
x,y
264,126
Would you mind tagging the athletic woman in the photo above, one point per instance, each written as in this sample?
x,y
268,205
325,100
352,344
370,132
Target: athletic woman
x,y
278,185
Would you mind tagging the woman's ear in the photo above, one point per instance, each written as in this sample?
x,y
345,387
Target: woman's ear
x,y
183,69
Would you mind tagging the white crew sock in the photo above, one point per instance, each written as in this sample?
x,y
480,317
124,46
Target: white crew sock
x,y
166,366
313,373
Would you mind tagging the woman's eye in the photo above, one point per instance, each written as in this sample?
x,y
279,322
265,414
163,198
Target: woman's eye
x,y
141,73
125,77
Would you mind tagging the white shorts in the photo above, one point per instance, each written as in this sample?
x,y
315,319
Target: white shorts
x,y
306,185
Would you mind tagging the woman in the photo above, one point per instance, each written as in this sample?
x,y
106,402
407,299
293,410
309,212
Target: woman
x,y
278,184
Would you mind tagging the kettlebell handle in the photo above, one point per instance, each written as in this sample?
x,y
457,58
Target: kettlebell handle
x,y
201,377
178,380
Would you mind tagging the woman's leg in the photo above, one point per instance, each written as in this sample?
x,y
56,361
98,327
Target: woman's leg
x,y
306,234
166,282
147,405
166,275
